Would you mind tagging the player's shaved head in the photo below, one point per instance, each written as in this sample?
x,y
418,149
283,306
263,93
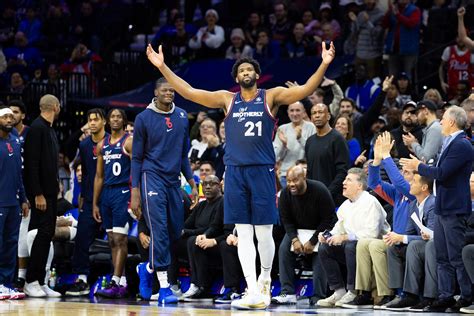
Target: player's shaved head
x,y
48,102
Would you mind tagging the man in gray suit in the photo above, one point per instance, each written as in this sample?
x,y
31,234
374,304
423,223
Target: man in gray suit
x,y
415,257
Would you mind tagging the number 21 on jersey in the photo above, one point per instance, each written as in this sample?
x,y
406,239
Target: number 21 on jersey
x,y
251,127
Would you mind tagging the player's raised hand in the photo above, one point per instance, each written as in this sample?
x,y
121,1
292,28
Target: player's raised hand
x,y
461,12
155,58
328,54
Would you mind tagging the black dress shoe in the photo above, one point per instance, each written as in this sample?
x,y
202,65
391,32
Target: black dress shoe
x,y
440,305
459,304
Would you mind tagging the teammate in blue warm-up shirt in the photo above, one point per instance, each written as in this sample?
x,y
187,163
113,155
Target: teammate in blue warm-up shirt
x,y
250,198
12,195
21,131
160,148
112,194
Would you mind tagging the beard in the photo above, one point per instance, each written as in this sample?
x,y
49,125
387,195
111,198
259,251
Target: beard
x,y
409,124
249,84
6,128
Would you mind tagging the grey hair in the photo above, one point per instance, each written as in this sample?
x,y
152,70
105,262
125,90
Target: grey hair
x,y
467,105
459,116
362,177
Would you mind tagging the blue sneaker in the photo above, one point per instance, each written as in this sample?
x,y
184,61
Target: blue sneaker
x,y
146,281
166,296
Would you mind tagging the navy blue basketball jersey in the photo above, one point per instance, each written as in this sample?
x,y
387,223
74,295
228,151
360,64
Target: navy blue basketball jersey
x,y
249,130
88,154
116,161
22,138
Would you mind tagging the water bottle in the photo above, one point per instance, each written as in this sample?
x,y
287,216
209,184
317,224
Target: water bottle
x,y
52,279
103,285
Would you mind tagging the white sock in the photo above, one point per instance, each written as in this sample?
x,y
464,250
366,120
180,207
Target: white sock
x,y
123,281
163,279
116,279
340,292
266,249
148,268
46,277
247,254
48,263
82,277
22,273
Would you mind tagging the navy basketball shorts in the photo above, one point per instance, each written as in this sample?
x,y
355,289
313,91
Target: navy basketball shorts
x,y
114,209
250,195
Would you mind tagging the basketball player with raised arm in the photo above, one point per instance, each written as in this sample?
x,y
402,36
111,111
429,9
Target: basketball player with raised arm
x,y
250,198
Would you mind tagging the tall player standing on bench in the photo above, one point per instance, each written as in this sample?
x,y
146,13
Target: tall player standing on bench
x,y
250,198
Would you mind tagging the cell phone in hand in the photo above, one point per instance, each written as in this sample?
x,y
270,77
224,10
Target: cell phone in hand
x,y
328,44
327,234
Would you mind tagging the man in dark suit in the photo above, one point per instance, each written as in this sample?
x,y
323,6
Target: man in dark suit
x,y
453,207
412,262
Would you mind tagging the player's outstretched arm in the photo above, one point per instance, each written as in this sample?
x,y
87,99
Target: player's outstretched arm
x,y
216,99
290,95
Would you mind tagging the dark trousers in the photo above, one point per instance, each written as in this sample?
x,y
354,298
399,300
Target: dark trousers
x,y
231,268
204,262
396,258
413,268
449,232
333,257
468,259
45,223
180,253
87,229
163,211
287,262
10,219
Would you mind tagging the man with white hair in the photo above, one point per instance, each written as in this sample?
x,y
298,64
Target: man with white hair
x,y
209,38
291,139
453,206
360,217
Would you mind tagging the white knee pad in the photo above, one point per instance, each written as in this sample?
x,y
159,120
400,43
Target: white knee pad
x,y
31,238
22,238
72,232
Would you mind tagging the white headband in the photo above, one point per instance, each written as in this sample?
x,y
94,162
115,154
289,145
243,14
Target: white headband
x,y
5,111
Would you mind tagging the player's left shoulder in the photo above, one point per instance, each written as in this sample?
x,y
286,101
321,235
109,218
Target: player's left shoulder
x,y
14,140
181,113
